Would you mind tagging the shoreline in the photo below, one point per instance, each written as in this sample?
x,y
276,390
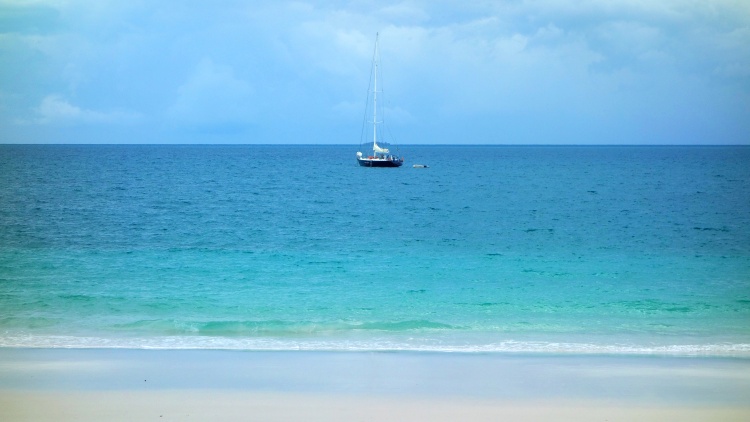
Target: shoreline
x,y
459,344
92,384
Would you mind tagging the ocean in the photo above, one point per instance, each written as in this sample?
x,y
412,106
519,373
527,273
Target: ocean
x,y
522,249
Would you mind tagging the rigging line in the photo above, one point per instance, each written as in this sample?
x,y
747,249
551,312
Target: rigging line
x,y
388,135
364,117
367,97
393,138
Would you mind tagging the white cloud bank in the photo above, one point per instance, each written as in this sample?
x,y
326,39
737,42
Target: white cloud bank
x,y
213,97
546,71
54,109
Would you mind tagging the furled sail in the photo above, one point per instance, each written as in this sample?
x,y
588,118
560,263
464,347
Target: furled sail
x,y
376,148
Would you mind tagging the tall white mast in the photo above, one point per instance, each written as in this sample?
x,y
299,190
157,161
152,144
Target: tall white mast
x,y
375,98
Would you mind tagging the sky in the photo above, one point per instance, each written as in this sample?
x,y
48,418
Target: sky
x,y
453,72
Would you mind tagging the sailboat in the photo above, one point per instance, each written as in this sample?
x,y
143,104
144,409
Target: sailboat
x,y
380,156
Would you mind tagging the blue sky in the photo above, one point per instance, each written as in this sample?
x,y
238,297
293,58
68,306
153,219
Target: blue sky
x,y
454,72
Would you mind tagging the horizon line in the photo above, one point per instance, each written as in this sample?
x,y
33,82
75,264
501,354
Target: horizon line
x,y
399,145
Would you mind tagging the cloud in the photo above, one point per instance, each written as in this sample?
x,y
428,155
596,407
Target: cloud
x,y
404,12
54,109
29,18
212,97
479,67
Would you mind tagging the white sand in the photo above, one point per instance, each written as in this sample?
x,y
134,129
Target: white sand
x,y
141,385
235,406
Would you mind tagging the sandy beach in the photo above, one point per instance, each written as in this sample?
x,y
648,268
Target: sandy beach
x,y
115,384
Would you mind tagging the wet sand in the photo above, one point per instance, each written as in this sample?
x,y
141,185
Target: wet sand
x,y
117,384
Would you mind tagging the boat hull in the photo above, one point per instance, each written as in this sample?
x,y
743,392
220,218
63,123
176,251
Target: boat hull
x,y
368,162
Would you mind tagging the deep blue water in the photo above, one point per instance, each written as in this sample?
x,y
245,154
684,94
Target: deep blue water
x,y
495,248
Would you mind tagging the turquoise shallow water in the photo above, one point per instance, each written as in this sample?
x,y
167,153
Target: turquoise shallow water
x,y
492,248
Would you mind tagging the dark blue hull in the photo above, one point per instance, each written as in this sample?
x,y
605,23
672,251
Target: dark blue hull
x,y
370,162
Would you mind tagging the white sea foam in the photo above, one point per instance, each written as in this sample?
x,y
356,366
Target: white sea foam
x,y
372,345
